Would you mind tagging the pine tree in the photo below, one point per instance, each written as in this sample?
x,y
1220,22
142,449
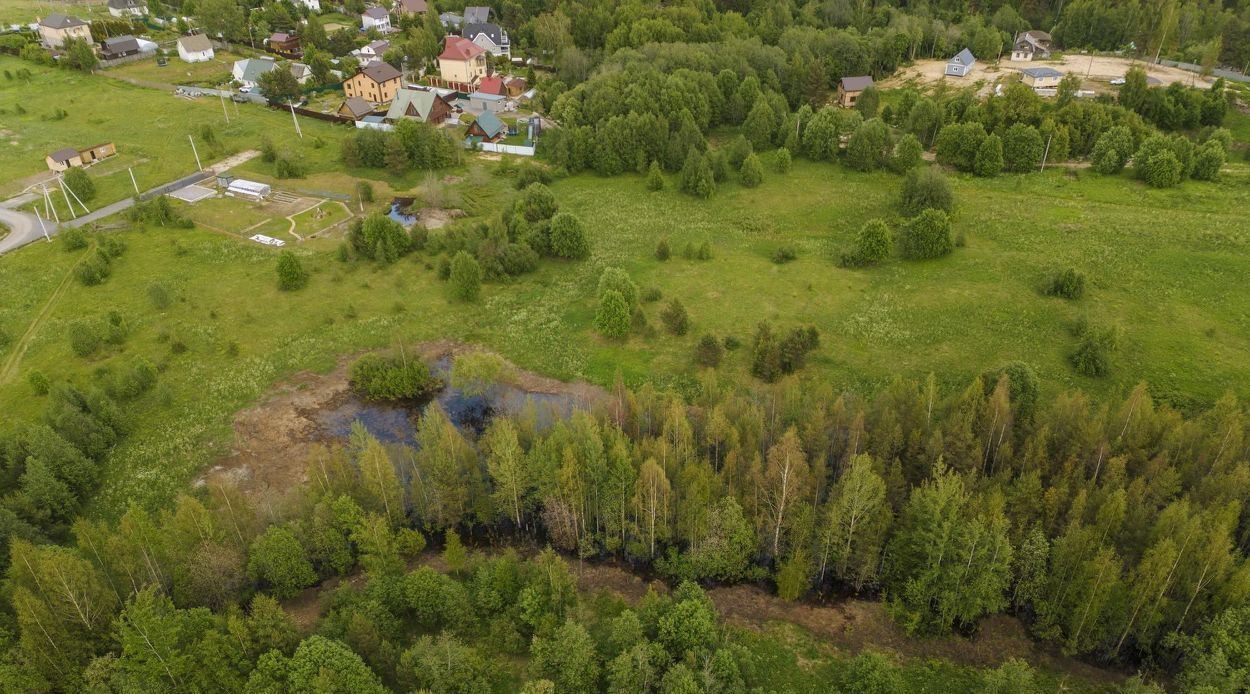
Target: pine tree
x,y
989,161
466,277
752,172
613,318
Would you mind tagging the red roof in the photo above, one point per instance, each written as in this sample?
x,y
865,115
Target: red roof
x,y
491,85
458,48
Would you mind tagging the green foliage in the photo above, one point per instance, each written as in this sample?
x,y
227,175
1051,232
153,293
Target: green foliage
x,y
613,317
291,273
675,317
277,560
785,253
926,236
781,161
1160,170
79,183
1023,148
752,172
989,158
708,352
73,239
662,251
1217,657
870,146
1067,284
93,269
465,277
378,378
907,155
378,237
958,144
873,245
655,177
697,178
568,237
614,278
1209,161
538,202
925,188
1092,357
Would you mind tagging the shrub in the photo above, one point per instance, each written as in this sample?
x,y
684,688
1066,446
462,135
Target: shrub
x,y
704,252
1209,161
925,188
782,161
614,278
378,378
1022,148
652,294
708,352
989,158
39,382
1092,357
1162,170
872,245
364,191
84,338
697,178
908,154
159,296
73,240
958,144
784,254
1067,284
613,318
655,177
675,317
111,247
751,173
466,277
529,173
79,183
662,251
1112,150
568,237
291,273
926,236
443,270
92,270
538,202
870,146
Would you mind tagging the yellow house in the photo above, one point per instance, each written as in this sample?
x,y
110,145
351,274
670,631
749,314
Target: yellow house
x,y
376,83
56,28
69,157
462,63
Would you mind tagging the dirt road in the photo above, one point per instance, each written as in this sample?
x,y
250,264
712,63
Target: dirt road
x,y
1098,71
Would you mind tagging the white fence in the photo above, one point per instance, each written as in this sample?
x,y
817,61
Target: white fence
x,y
506,149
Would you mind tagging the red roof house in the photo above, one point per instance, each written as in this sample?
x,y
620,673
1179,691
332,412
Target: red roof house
x,y
492,84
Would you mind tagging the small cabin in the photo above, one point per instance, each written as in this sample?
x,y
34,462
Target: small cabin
x,y
961,64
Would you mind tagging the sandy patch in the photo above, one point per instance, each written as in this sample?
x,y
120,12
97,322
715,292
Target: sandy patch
x,y
437,217
1097,70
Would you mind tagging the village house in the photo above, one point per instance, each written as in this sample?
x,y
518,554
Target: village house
x,y
411,7
119,47
1041,77
961,64
374,50
195,48
493,103
487,128
492,84
377,83
128,8
462,64
376,18
516,86
69,157
420,104
451,20
491,37
301,72
1031,44
355,108
849,89
56,28
285,44
247,72
476,15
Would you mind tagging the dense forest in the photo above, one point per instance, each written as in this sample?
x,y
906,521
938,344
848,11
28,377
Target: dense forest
x,y
1115,530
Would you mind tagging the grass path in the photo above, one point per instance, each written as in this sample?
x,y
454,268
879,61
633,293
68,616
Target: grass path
x,y
19,350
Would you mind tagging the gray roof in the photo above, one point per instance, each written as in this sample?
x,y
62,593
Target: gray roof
x,y
64,155
253,68
195,43
450,19
358,106
376,12
1042,72
476,15
964,58
126,4
120,44
56,20
856,84
493,31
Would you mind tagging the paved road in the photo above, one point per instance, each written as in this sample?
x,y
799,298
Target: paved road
x,y
23,228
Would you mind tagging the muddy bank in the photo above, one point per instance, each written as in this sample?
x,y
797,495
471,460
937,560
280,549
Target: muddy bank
x,y
274,439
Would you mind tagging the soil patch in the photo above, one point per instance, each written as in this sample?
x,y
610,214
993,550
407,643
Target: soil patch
x,y
437,217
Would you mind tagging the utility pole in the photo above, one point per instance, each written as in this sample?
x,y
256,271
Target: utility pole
x,y
71,192
224,111
68,204
197,154
42,228
132,179
1047,152
48,208
295,120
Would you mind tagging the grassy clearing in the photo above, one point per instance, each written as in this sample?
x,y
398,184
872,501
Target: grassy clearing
x,y
210,73
29,11
323,216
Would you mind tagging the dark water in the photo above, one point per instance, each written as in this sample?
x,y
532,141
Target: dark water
x,y
397,422
398,205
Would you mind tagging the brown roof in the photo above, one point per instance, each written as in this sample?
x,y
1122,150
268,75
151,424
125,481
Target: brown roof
x,y
64,155
357,106
457,48
413,6
856,84
57,20
195,43
381,72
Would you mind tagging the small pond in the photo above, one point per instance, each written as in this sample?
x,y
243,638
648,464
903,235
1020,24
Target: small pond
x,y
397,213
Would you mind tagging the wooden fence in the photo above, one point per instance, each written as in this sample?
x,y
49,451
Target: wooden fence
x,y
316,115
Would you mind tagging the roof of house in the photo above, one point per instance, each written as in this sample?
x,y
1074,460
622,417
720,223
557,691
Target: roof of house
x,y
457,48
253,68
281,37
380,72
856,84
300,70
376,13
494,32
448,18
64,155
490,124
516,82
412,103
964,58
358,107
195,43
491,84
56,20
125,4
378,47
120,44
476,15
1036,35
412,5
483,96
1036,72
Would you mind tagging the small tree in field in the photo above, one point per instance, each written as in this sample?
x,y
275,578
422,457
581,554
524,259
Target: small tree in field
x,y
782,160
79,183
291,273
872,245
752,173
655,177
466,277
989,161
568,237
708,352
927,236
1023,148
675,317
613,319
923,189
908,154
870,146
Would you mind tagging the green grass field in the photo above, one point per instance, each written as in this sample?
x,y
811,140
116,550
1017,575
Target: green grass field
x,y
211,73
28,11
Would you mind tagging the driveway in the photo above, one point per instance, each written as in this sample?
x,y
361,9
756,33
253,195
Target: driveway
x,y
23,227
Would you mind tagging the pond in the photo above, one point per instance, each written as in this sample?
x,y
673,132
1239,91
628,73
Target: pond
x,y
396,422
397,213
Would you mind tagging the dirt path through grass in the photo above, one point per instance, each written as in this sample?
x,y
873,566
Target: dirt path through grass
x,y
19,349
